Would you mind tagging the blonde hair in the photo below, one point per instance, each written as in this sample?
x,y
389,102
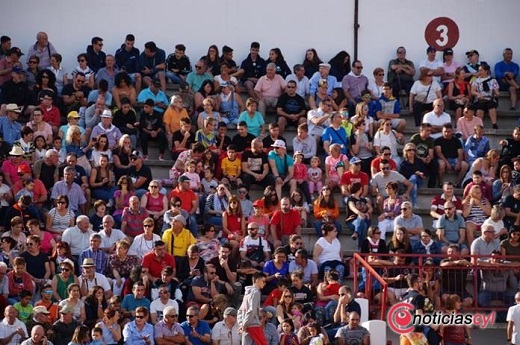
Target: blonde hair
x,y
72,129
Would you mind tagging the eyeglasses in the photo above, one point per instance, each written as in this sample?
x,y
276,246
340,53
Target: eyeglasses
x,y
148,225
385,168
252,228
404,209
30,244
64,269
287,296
412,150
242,192
164,292
139,316
291,87
298,243
387,154
154,186
177,205
190,316
48,291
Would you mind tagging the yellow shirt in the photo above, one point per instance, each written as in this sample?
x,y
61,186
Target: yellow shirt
x,y
181,242
231,168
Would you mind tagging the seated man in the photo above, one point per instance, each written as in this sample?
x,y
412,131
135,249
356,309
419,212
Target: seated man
x,y
203,289
89,278
451,229
454,273
243,139
134,300
178,65
152,63
476,146
291,108
284,223
282,167
255,166
14,91
450,155
153,92
195,78
389,108
301,80
252,68
379,181
386,153
484,245
274,134
424,145
400,73
152,129
268,89
127,59
96,253
335,134
411,221
506,72
353,84
95,55
75,95
437,204
253,248
353,332
437,118
494,289
156,260
486,90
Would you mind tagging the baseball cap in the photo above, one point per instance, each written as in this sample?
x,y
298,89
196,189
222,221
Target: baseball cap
x,y
430,49
258,203
448,51
17,69
134,154
73,115
184,178
67,309
24,169
471,52
40,310
355,160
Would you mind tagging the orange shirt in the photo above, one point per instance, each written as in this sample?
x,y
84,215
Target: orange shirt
x,y
320,212
172,119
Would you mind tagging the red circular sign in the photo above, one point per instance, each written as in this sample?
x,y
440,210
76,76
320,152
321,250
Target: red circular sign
x,y
442,33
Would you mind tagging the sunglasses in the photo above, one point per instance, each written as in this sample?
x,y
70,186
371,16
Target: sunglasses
x,y
30,244
154,186
177,205
63,269
190,316
385,169
148,225
242,192
139,316
252,228
61,202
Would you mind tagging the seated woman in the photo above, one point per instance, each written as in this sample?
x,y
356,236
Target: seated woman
x,y
189,267
234,224
74,143
336,164
327,252
100,147
155,203
400,241
75,302
326,210
231,105
475,209
95,303
102,181
125,190
123,89
208,243
374,243
60,217
119,265
210,110
413,169
458,93
427,246
359,212
275,269
391,209
216,205
501,186
83,67
206,90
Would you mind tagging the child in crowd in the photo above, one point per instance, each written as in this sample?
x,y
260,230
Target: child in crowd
x,y
316,336
24,307
191,166
208,161
28,189
297,315
315,177
288,337
274,297
274,134
206,135
231,169
40,148
300,205
301,175
335,164
97,336
57,145
100,210
328,294
345,123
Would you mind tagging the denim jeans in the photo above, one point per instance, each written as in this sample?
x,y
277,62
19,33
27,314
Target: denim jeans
x,y
173,77
360,227
416,182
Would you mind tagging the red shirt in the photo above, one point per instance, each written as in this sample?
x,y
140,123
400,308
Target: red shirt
x,y
187,197
286,223
439,201
155,266
376,161
39,189
269,301
51,116
348,178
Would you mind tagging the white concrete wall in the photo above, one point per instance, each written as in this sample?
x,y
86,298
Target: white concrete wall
x,y
292,25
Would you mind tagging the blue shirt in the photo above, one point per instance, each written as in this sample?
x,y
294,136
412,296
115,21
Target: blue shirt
x,y
131,303
313,82
133,336
254,125
336,136
10,130
283,170
202,328
159,97
502,67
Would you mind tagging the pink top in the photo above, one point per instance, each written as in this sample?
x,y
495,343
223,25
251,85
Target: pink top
x,y
47,130
467,127
12,170
126,201
332,162
270,88
155,204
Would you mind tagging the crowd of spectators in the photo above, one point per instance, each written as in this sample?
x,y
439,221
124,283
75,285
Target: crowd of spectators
x,y
94,246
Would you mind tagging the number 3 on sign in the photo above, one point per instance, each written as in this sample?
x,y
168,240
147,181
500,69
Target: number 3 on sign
x,y
441,33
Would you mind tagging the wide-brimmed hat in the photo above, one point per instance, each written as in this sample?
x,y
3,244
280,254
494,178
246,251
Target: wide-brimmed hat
x,y
13,107
88,262
16,151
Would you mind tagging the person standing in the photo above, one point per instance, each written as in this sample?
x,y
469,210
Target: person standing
x,y
513,320
249,312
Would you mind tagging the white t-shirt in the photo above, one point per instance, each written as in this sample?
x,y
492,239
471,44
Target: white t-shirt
x,y
140,246
157,307
421,91
248,242
497,226
219,80
513,314
6,330
330,252
99,279
435,120
432,65
115,236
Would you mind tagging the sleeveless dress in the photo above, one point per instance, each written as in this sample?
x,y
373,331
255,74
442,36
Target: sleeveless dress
x,y
154,204
62,286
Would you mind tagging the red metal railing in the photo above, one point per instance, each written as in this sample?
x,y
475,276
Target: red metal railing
x,y
474,273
